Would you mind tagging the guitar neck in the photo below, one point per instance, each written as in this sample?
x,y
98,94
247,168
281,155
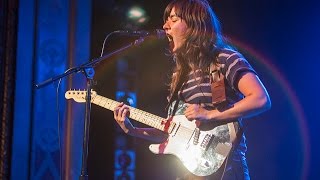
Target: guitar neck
x,y
136,114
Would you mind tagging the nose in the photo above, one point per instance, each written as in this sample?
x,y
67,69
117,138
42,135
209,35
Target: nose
x,y
166,26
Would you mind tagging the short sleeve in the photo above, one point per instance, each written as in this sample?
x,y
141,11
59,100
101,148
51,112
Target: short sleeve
x,y
233,64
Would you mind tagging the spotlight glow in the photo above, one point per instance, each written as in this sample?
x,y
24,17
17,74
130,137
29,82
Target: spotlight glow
x,y
135,13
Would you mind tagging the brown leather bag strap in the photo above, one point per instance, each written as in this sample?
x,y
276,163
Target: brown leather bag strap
x,y
218,87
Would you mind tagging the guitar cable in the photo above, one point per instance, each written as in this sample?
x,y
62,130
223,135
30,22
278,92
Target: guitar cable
x,y
224,168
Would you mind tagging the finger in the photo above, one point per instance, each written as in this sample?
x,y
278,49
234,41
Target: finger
x,y
124,115
116,112
116,109
189,117
119,105
188,109
187,114
122,108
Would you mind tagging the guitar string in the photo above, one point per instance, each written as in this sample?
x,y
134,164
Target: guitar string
x,y
138,113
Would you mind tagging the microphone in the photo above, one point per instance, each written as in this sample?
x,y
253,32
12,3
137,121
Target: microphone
x,y
158,33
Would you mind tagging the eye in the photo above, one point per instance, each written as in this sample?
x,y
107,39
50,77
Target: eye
x,y
174,18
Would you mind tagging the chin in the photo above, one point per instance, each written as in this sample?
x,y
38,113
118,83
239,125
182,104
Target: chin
x,y
176,50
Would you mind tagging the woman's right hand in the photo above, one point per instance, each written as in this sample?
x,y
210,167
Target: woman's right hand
x,y
120,113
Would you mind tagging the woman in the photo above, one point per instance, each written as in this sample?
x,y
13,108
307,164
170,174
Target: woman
x,y
202,58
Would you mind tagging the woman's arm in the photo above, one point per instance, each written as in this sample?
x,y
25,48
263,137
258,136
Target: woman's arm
x,y
256,100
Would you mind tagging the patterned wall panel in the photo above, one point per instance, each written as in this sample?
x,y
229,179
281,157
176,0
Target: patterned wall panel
x,y
51,60
53,35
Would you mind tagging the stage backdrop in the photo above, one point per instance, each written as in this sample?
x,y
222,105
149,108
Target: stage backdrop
x,y
52,37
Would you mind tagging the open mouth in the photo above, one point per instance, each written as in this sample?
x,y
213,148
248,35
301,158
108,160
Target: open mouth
x,y
169,37
171,43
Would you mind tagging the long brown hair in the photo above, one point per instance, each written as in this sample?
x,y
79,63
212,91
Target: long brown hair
x,y
203,41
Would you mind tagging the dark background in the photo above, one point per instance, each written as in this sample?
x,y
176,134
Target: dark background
x,y
279,38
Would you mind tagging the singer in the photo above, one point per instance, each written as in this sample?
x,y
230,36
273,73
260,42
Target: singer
x,y
213,86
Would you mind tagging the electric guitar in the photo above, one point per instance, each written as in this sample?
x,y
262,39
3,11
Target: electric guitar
x,y
201,151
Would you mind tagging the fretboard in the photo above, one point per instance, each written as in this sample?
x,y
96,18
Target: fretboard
x,y
136,114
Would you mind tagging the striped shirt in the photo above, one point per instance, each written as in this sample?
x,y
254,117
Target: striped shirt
x,y
197,90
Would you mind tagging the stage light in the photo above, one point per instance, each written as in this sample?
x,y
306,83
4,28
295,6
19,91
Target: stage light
x,y
124,175
137,15
127,97
125,160
142,20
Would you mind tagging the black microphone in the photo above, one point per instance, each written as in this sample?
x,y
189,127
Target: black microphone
x,y
158,33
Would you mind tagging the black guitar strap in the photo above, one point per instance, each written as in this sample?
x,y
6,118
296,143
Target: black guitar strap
x,y
175,97
175,107
239,133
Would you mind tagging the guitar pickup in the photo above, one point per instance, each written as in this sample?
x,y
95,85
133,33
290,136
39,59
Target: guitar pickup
x,y
196,136
206,141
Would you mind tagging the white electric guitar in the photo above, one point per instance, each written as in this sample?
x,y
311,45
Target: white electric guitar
x,y
201,151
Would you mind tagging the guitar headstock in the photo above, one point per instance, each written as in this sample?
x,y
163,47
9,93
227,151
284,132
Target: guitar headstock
x,y
78,96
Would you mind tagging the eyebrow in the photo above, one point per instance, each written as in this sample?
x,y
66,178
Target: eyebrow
x,y
173,15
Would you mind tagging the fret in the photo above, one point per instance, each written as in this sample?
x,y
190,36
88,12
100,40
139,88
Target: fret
x,y
104,103
109,103
133,114
93,97
100,100
97,100
113,104
138,115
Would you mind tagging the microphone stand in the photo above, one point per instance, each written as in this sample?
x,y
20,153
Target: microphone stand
x,y
88,70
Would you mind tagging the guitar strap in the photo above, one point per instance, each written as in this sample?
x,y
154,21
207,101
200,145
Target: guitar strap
x,y
238,132
175,107
174,97
218,89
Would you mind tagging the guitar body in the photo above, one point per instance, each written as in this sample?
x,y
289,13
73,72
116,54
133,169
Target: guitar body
x,y
201,152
